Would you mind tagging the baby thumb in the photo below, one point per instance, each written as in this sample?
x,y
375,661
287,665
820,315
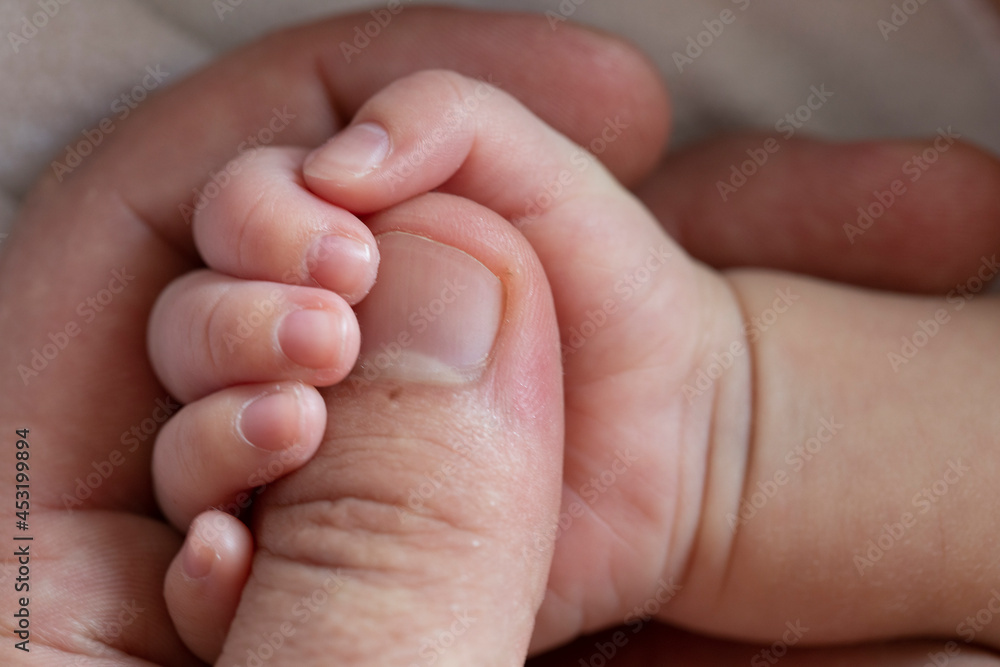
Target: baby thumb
x,y
422,531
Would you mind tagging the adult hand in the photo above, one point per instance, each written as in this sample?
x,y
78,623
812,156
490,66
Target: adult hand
x,y
90,254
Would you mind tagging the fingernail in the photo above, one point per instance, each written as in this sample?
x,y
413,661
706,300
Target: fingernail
x,y
271,422
343,265
311,338
198,557
355,151
433,314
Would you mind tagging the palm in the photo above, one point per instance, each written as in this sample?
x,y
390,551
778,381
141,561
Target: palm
x,y
92,513
121,208
636,447
661,378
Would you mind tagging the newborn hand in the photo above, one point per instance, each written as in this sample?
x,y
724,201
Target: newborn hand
x,y
736,441
100,547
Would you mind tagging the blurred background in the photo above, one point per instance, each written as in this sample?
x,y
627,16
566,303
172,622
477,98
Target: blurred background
x,y
895,68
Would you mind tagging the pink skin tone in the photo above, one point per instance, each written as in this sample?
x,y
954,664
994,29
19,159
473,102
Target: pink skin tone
x,y
124,208
655,530
153,170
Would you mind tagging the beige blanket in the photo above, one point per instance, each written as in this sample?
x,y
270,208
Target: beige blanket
x,y
894,67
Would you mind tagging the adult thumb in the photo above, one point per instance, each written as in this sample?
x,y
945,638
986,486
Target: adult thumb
x,y
422,531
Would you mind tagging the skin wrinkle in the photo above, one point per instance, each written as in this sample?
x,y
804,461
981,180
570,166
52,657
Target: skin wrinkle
x,y
212,325
706,452
184,164
264,200
323,526
738,299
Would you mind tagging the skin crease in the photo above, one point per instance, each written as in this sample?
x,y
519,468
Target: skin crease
x,y
130,191
816,157
700,449
782,381
340,513
113,433
752,294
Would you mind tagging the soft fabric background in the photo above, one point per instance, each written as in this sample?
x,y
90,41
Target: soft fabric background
x,y
941,68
